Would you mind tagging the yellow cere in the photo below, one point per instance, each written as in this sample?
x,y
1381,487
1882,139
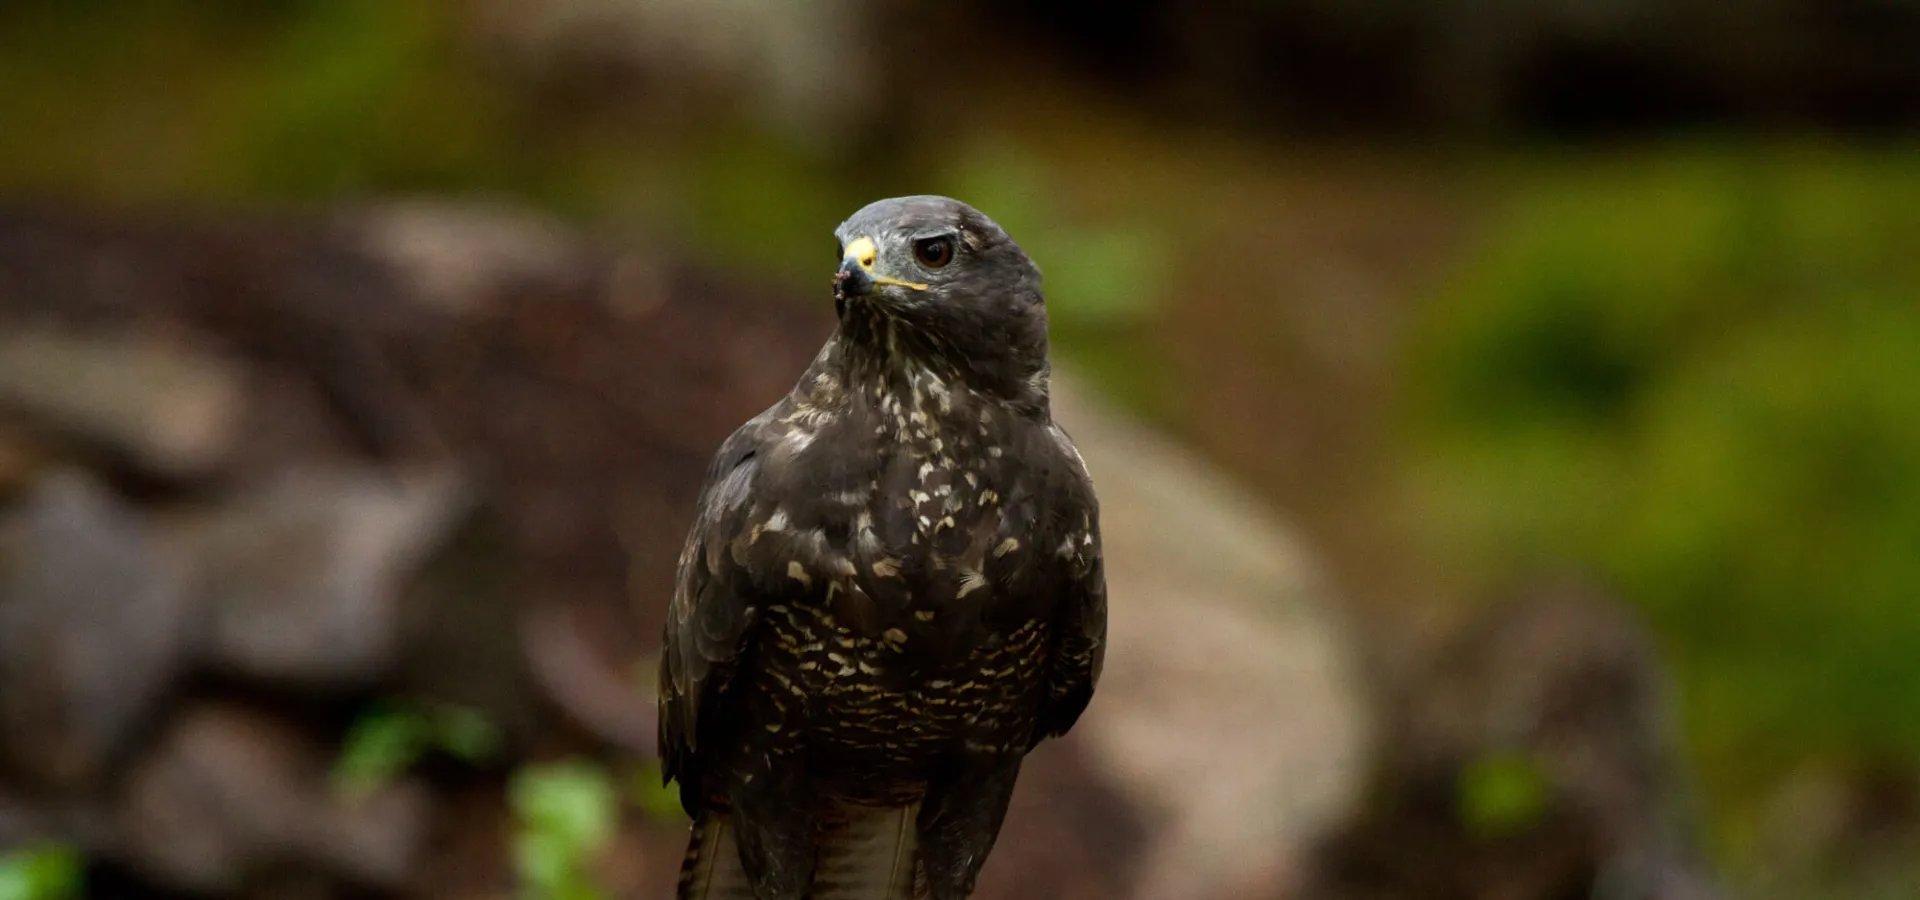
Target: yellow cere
x,y
864,252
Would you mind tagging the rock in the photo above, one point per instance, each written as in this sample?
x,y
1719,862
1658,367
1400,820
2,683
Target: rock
x,y
460,257
170,410
464,630
621,710
1072,832
1231,708
302,575
93,627
1535,755
230,794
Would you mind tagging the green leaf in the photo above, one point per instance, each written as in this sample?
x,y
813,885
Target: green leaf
x,y
44,872
543,860
566,812
573,800
391,736
465,733
380,745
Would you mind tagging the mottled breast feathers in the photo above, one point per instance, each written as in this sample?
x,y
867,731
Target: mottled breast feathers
x,y
1036,542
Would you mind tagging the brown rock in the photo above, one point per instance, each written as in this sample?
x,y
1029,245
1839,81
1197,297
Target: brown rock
x,y
1231,711
93,624
1560,692
231,795
302,575
167,409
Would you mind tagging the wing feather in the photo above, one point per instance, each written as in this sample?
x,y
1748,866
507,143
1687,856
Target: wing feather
x,y
1079,638
711,615
1079,650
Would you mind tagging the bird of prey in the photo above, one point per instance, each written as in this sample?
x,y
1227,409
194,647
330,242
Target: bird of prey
x,y
893,587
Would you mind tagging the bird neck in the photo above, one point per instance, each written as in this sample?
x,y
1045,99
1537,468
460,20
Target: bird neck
x,y
903,369
881,355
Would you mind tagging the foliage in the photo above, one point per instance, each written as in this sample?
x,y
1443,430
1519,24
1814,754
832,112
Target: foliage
x,y
390,737
285,101
1700,374
43,872
565,813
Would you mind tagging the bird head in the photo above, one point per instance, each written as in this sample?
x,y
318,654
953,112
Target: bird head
x,y
940,276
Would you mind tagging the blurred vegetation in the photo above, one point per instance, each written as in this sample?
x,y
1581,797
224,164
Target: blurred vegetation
x,y
42,872
1700,374
654,798
1501,794
390,737
564,814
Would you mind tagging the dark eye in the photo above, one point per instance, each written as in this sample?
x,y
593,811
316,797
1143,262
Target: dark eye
x,y
934,252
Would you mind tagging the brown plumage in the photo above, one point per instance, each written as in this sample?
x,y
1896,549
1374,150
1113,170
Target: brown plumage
x,y
893,588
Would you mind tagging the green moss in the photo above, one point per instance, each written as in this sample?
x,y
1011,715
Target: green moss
x,y
167,100
1700,374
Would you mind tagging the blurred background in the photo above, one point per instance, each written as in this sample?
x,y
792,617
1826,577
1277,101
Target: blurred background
x,y
1507,415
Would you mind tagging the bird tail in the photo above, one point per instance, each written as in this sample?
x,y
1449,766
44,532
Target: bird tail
x,y
711,869
864,854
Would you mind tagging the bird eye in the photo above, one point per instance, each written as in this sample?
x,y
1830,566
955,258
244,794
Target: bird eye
x,y
934,252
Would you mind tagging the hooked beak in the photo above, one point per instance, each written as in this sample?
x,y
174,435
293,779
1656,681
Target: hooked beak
x,y
856,277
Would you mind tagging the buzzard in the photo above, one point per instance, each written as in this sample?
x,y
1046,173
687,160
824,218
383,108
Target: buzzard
x,y
893,587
